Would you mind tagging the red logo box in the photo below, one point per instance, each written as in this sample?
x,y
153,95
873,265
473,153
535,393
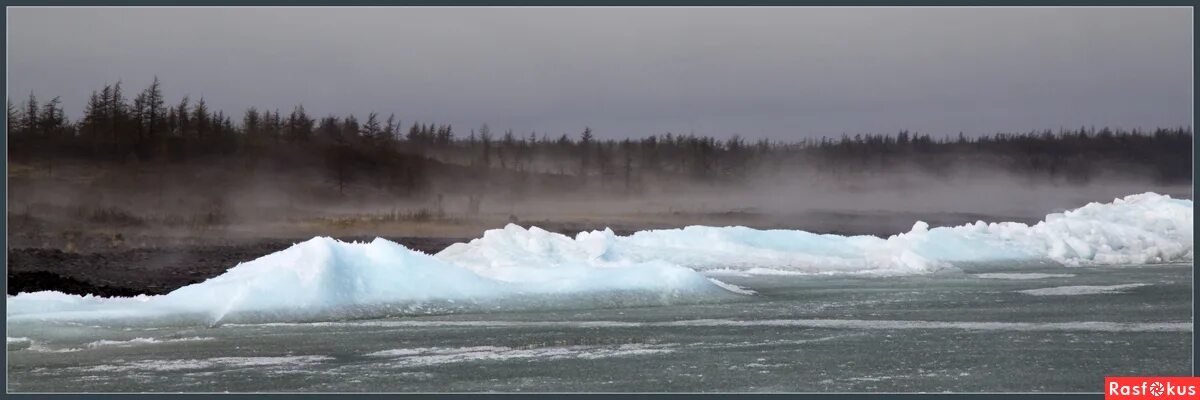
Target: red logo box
x,y
1151,387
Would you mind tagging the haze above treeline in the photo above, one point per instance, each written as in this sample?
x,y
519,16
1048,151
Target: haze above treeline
x,y
762,72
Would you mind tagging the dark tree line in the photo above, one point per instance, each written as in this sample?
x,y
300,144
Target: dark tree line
x,y
379,151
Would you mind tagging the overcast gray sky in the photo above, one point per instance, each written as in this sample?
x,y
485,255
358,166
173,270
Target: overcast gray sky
x,y
760,72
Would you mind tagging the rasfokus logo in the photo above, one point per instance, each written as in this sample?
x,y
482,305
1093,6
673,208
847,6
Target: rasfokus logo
x,y
1151,387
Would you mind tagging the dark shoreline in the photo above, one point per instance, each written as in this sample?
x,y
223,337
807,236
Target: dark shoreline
x,y
152,270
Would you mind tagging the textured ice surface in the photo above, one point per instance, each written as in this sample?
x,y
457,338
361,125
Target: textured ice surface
x,y
518,268
857,324
22,343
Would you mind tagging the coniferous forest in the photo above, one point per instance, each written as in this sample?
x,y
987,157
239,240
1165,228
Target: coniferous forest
x,y
415,159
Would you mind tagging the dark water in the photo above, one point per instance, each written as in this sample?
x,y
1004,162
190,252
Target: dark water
x,y
948,332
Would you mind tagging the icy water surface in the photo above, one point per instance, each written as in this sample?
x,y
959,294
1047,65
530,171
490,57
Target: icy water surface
x,y
1017,329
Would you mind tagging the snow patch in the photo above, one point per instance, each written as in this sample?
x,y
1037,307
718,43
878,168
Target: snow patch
x,y
17,343
1081,290
419,357
207,363
731,287
142,340
1022,276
